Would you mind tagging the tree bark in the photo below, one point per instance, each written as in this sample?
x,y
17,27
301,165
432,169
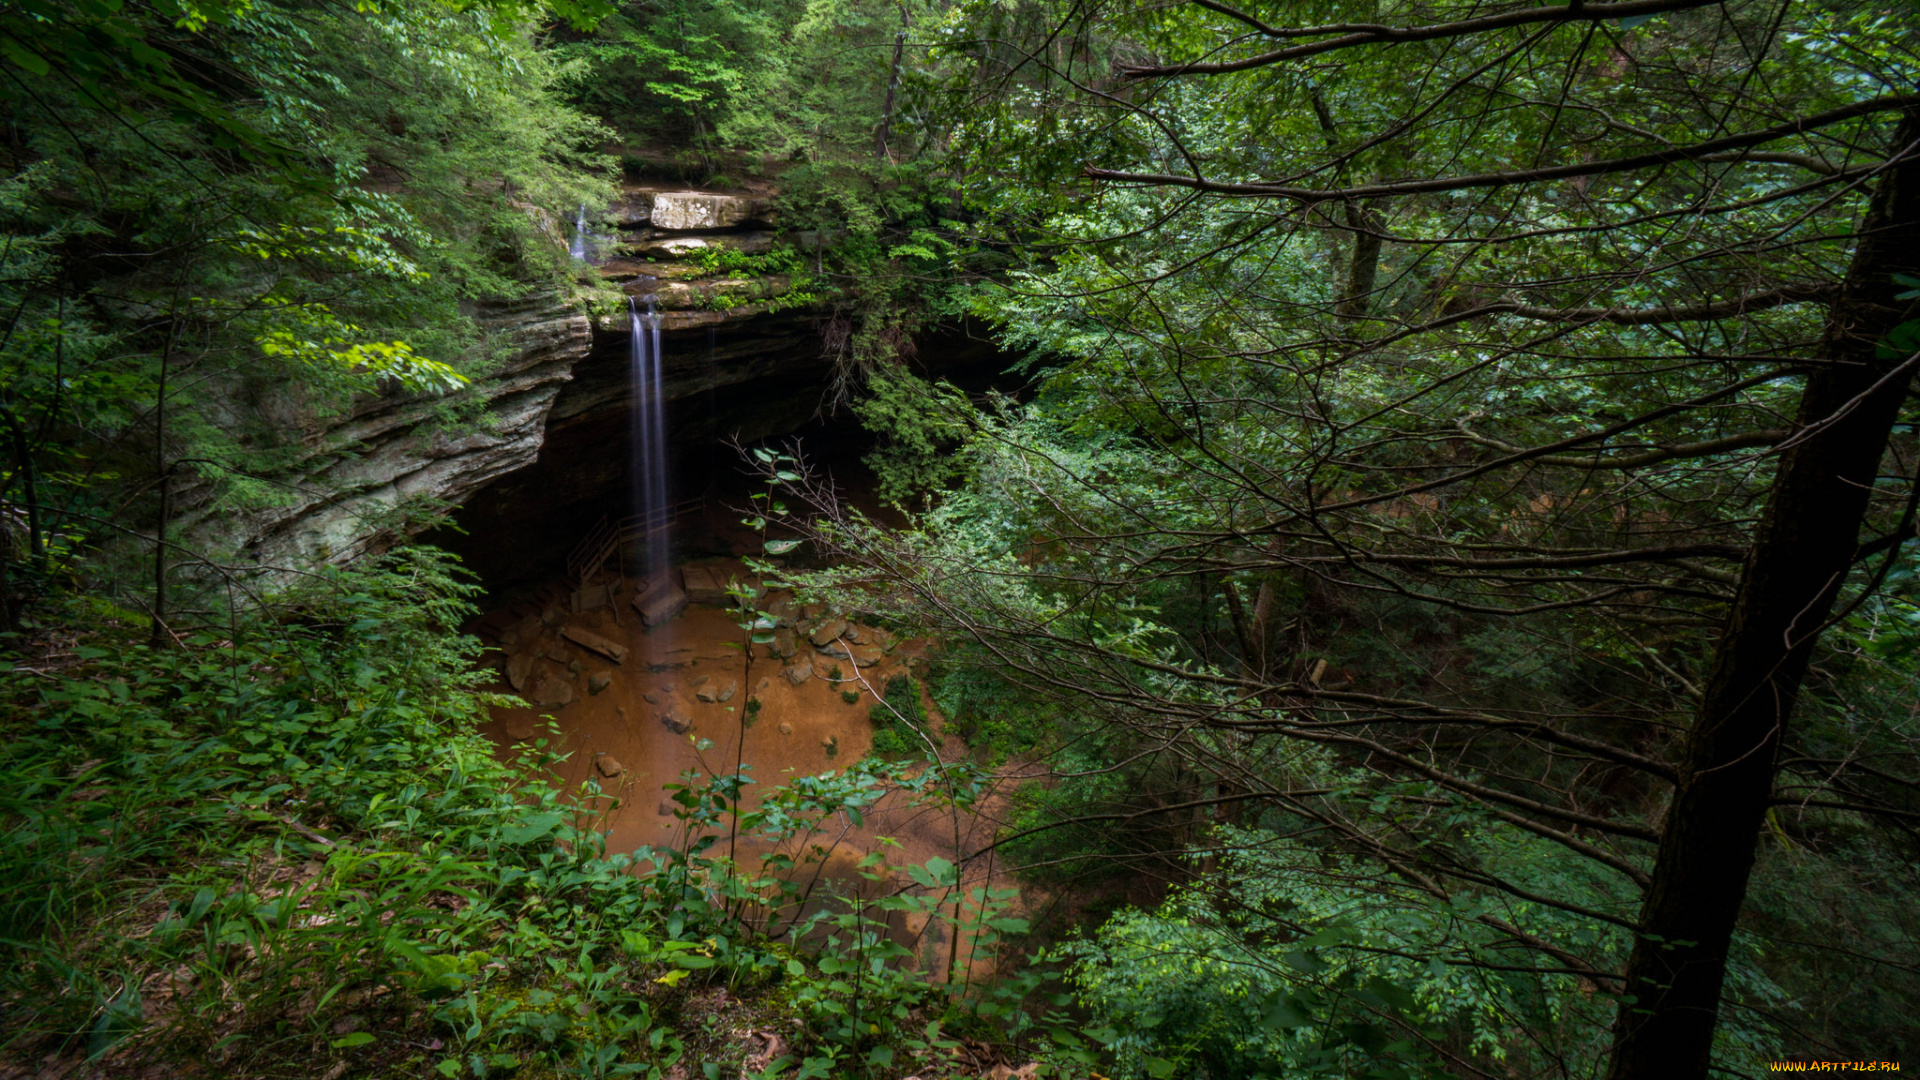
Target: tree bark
x,y
30,485
885,129
158,634
1364,218
1800,557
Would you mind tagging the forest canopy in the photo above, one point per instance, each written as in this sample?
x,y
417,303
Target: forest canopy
x,y
1439,552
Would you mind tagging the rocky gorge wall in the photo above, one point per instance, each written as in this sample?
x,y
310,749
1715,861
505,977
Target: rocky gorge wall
x,y
549,453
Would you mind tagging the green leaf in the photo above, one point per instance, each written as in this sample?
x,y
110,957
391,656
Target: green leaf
x,y
358,1038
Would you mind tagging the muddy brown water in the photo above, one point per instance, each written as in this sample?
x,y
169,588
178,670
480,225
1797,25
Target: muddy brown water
x,y
618,738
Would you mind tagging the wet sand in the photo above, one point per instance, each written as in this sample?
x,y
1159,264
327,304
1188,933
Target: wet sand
x,y
619,738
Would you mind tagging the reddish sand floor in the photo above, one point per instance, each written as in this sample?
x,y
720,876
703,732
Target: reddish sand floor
x,y
617,736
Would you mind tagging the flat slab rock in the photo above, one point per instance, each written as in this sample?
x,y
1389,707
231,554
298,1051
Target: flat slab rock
x,y
589,640
704,585
704,210
658,607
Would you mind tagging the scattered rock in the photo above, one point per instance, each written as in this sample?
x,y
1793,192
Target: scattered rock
x,y
676,721
704,586
761,686
598,681
786,728
520,728
799,673
782,645
827,631
657,606
559,654
812,611
651,697
593,642
782,609
519,665
856,633
861,655
525,628
553,616
609,766
665,809
551,691
709,691
592,598
574,667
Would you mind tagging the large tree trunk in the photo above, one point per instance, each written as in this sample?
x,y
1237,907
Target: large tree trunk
x,y
1800,557
885,130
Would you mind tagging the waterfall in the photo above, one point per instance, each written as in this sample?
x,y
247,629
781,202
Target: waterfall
x,y
579,246
650,503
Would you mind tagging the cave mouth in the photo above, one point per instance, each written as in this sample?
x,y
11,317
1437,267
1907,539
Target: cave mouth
x,y
762,382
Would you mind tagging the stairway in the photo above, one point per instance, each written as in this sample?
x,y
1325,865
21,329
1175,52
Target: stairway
x,y
608,536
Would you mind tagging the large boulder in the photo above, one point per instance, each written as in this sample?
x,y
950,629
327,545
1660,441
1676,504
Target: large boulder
x,y
634,208
706,210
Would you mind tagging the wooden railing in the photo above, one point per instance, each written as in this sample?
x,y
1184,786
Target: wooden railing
x,y
607,536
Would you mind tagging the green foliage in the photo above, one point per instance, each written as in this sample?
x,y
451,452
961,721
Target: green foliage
x,y
293,829
922,429
1274,965
993,715
301,228
899,721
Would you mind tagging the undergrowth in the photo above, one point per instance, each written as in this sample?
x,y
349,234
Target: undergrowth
x,y
282,848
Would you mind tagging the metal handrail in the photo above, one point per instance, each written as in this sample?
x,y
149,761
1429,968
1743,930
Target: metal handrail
x,y
607,535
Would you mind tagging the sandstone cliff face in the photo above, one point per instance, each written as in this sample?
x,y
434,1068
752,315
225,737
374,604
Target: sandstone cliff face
x,y
359,468
541,449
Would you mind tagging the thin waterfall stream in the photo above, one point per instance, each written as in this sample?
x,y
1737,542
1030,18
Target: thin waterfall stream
x,y
578,248
659,596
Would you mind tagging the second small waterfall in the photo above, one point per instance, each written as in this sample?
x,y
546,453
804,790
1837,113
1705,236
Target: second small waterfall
x,y
578,248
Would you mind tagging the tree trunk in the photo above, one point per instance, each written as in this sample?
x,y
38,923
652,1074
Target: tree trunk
x,y
885,129
1366,221
30,486
1800,556
158,633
